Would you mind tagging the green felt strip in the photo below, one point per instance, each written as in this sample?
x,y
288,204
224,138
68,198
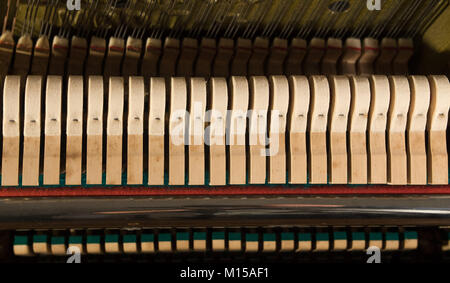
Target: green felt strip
x,y
199,236
270,237
39,238
375,236
93,239
234,236
304,237
20,240
111,238
340,235
129,238
287,236
62,181
147,238
218,235
57,240
358,236
392,236
164,237
411,235
75,240
251,237
183,236
322,237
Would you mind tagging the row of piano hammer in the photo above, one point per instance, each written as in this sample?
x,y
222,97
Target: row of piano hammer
x,y
336,130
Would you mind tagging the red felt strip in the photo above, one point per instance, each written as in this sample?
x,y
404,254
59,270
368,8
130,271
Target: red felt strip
x,y
224,191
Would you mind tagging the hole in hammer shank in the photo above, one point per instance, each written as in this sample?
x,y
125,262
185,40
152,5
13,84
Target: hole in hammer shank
x,y
339,6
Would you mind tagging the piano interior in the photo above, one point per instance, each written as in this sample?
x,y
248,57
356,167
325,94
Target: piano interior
x,y
286,131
